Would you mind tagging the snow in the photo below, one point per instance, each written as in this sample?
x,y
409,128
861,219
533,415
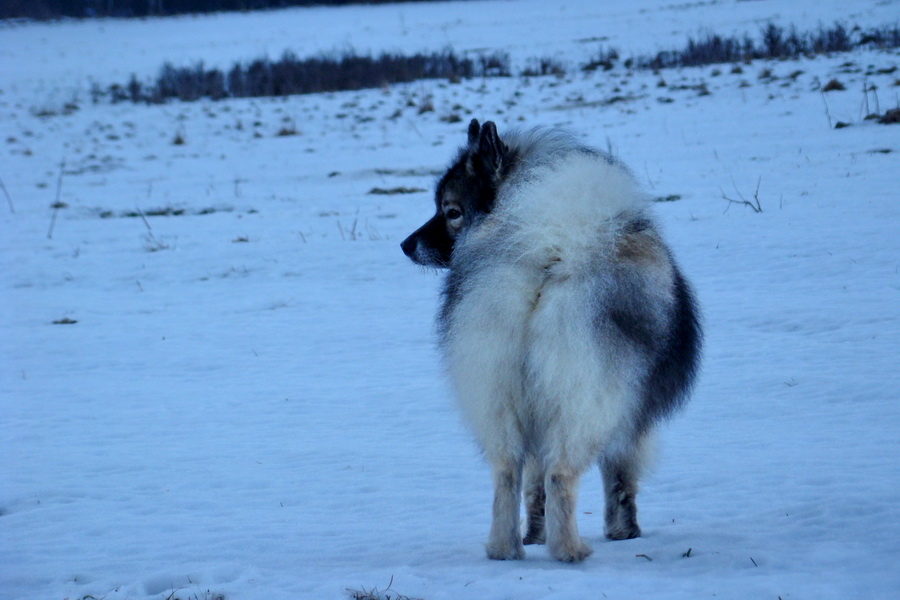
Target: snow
x,y
250,402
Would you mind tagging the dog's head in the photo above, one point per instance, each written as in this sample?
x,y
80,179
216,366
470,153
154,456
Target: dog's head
x,y
464,195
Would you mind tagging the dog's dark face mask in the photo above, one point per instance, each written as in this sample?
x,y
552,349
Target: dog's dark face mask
x,y
464,195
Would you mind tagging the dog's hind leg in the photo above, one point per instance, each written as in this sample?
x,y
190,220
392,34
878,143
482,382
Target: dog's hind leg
x,y
563,540
505,541
535,499
620,483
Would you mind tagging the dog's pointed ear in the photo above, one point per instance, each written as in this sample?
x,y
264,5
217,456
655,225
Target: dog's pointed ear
x,y
474,134
492,151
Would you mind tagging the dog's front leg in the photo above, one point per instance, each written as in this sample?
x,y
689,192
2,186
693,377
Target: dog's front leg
x,y
505,542
563,540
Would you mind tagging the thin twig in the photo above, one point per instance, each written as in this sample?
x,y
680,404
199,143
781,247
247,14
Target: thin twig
x,y
153,244
755,205
866,95
731,201
827,112
62,167
58,204
52,224
12,208
756,194
649,180
144,219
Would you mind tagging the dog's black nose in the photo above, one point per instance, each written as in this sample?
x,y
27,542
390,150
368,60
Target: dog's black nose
x,y
409,245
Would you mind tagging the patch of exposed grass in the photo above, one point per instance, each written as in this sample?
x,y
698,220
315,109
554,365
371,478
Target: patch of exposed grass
x,y
162,211
194,596
891,117
669,198
375,594
379,191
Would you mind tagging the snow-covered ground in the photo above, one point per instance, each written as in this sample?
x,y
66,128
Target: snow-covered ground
x,y
249,402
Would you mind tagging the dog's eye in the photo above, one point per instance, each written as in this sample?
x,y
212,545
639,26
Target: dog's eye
x,y
453,214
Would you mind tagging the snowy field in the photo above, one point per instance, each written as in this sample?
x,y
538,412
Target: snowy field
x,y
238,394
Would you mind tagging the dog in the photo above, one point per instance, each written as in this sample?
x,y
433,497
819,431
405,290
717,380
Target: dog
x,y
567,328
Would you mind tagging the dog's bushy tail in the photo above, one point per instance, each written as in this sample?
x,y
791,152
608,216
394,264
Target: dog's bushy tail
x,y
672,377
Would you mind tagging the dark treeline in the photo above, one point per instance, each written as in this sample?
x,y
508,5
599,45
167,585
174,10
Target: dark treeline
x,y
775,43
349,71
291,75
51,9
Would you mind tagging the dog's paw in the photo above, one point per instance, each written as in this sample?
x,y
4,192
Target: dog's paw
x,y
573,551
623,533
506,551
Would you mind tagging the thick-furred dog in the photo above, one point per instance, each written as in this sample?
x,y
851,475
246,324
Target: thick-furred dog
x,y
567,327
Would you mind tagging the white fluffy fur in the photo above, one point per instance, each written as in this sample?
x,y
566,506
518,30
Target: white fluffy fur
x,y
529,374
519,347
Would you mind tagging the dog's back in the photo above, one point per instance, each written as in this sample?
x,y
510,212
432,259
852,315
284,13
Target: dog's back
x,y
568,331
